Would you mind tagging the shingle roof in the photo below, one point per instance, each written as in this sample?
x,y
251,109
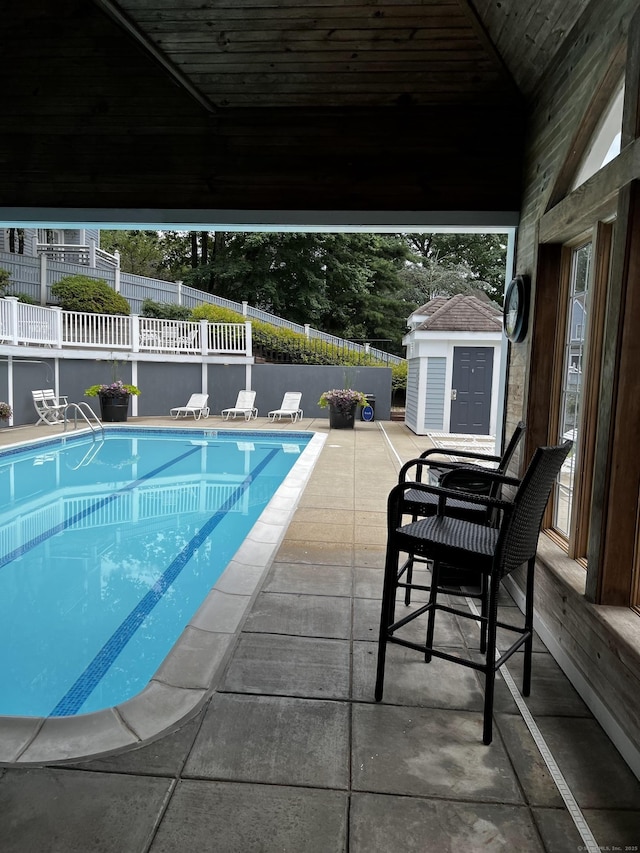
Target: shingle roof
x,y
432,305
460,313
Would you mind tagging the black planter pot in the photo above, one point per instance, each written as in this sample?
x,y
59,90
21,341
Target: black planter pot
x,y
342,420
114,409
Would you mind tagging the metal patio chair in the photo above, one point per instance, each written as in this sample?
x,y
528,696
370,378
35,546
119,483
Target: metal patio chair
x,y
494,551
196,406
49,407
244,406
290,407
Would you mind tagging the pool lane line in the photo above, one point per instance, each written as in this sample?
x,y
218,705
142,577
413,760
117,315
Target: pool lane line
x,y
93,674
87,511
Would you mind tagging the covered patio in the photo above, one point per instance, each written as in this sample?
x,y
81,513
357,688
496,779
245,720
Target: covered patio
x,y
442,114
289,751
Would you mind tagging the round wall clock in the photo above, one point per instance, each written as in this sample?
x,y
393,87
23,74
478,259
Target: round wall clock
x,y
516,309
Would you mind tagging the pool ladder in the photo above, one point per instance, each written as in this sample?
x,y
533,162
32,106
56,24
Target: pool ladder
x,y
86,412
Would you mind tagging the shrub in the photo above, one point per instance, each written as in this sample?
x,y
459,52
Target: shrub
x,y
296,347
24,297
399,376
5,281
164,310
216,314
92,295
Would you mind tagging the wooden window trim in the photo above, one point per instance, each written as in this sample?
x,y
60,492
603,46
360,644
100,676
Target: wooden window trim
x,y
617,581
555,387
600,281
554,270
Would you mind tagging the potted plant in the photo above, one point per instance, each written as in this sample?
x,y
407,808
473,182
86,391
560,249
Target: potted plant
x,y
114,399
5,411
342,404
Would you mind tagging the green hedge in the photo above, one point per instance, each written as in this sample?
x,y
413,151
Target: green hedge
x,y
295,346
164,310
92,295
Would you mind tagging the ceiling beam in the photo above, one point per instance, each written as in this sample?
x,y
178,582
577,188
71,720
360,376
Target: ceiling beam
x,y
113,10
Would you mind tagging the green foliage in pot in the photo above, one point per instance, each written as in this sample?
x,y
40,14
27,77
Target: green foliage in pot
x,y
342,399
114,390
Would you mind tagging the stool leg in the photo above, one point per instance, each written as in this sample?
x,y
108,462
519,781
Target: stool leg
x,y
484,607
409,578
409,573
433,604
387,610
490,660
528,624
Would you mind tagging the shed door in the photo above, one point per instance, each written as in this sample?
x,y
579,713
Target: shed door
x,y
471,390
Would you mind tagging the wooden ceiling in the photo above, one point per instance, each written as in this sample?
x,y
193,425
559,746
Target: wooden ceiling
x,y
288,53
353,105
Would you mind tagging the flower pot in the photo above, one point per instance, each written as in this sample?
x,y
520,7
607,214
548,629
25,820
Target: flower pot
x,y
114,409
342,419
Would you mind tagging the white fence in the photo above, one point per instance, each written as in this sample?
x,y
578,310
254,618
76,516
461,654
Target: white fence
x,y
34,276
33,325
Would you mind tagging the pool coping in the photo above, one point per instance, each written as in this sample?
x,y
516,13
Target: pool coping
x,y
192,669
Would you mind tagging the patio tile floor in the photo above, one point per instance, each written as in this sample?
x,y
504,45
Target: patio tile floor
x,y
291,753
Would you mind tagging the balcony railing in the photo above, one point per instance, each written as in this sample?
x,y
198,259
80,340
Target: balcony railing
x,y
34,325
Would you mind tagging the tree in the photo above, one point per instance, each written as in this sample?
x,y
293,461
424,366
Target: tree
x,y
422,282
359,286
344,284
155,254
479,260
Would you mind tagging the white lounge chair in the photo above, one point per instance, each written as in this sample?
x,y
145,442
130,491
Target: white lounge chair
x,y
196,406
50,409
290,406
244,406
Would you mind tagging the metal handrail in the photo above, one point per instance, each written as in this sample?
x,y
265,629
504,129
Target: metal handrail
x,y
90,455
79,408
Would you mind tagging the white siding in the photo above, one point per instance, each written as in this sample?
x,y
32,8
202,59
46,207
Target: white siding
x,y
435,396
413,394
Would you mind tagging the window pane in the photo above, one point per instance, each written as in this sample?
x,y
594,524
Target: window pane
x,y
572,382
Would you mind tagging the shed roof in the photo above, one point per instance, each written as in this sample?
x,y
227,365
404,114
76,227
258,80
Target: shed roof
x,y
463,312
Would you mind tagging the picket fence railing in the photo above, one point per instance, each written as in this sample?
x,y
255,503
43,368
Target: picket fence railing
x,y
35,325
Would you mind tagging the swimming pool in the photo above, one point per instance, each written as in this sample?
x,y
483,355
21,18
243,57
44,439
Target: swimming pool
x,y
108,547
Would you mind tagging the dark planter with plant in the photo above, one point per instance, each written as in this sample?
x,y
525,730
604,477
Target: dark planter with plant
x,y
114,400
342,404
5,412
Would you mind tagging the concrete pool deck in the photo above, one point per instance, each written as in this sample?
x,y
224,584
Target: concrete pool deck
x,y
285,749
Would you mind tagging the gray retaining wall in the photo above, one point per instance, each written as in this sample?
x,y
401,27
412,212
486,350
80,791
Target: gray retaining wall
x,y
164,385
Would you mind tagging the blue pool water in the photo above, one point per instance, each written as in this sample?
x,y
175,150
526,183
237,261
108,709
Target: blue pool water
x,y
107,549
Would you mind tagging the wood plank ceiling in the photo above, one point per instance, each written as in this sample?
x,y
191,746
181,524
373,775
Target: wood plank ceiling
x,y
354,105
287,53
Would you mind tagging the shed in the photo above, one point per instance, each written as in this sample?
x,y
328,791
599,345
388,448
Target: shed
x,y
453,353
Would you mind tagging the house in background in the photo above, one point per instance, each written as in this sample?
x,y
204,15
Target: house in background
x,y
453,352
33,241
